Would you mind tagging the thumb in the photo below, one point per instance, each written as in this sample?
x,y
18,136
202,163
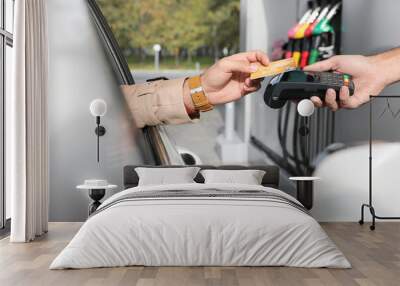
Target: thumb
x,y
329,64
230,66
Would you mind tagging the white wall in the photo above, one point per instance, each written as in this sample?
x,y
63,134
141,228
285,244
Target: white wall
x,y
79,73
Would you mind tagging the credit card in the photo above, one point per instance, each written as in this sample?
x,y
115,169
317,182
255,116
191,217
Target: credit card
x,y
274,68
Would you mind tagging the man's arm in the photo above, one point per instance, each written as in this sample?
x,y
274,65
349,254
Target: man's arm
x,y
388,65
170,101
370,75
158,102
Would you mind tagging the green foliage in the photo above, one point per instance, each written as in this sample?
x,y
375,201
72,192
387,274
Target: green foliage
x,y
178,25
225,23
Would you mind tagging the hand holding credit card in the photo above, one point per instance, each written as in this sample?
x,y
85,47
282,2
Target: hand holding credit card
x,y
274,68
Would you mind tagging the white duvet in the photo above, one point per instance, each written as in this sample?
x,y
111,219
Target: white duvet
x,y
200,231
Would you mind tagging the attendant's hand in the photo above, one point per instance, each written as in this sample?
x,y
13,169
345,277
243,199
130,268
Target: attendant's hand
x,y
229,78
367,77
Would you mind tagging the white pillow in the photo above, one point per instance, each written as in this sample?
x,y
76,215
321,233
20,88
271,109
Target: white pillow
x,y
164,176
248,177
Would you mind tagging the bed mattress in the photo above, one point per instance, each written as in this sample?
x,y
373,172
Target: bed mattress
x,y
200,225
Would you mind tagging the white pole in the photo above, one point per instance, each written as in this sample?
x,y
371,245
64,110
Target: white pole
x,y
157,49
255,19
157,61
229,121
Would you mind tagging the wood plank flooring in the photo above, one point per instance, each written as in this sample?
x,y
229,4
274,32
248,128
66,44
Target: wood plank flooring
x,y
375,257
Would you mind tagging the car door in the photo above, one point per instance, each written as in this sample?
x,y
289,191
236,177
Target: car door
x,y
159,147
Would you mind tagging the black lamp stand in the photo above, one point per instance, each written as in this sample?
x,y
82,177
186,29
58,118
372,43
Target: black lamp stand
x,y
96,195
100,131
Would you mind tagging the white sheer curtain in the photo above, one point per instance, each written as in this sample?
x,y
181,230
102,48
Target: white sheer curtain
x,y
26,123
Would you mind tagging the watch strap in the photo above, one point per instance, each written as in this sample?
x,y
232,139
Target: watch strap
x,y
199,98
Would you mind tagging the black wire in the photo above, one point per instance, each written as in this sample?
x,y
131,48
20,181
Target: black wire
x,y
327,127
285,151
305,151
302,142
333,127
309,167
318,143
295,146
280,136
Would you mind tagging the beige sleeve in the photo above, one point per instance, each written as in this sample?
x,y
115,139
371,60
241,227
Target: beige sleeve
x,y
157,102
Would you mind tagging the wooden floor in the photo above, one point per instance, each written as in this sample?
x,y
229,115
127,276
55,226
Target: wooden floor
x,y
375,257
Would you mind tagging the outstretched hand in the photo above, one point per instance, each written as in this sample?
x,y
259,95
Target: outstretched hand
x,y
229,78
366,78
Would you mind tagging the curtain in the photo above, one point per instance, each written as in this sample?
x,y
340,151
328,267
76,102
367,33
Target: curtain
x,y
26,123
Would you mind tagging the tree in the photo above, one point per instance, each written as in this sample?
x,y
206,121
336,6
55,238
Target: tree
x,y
224,25
191,20
123,17
175,24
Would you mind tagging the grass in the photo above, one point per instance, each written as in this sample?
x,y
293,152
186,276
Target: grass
x,y
168,63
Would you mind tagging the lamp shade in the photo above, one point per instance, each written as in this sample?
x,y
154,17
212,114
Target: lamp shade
x,y
98,107
305,108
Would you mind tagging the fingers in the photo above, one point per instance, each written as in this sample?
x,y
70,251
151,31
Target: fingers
x,y
253,88
251,85
329,64
258,56
252,57
247,62
330,99
248,82
254,82
317,101
358,98
229,66
351,102
345,100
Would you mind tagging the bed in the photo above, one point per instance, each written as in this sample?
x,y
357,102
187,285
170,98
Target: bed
x,y
201,224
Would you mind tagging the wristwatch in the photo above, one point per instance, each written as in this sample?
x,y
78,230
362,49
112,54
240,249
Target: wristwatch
x,y
199,98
